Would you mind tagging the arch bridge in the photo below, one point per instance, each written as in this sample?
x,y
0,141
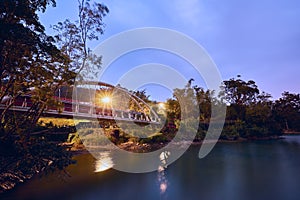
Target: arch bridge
x,y
91,100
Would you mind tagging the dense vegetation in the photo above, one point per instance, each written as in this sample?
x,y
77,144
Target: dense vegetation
x,y
250,113
31,62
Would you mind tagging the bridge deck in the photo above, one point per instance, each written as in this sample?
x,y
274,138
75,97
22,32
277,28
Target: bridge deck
x,y
68,114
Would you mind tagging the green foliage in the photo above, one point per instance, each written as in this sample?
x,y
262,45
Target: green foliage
x,y
33,63
72,37
156,138
188,126
134,102
92,139
41,153
237,91
37,154
250,113
234,130
287,111
202,130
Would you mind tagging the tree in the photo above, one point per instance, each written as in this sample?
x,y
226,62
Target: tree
x,y
34,63
173,109
187,100
249,113
237,91
204,100
238,94
135,103
30,63
259,118
287,111
186,110
73,37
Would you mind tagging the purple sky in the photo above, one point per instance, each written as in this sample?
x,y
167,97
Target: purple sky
x,y
258,39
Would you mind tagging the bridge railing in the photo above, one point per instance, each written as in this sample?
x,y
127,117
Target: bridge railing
x,y
71,107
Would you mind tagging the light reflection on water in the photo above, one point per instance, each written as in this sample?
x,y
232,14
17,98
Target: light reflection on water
x,y
104,162
162,179
250,170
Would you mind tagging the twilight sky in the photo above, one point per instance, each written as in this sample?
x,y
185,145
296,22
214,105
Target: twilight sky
x,y
258,39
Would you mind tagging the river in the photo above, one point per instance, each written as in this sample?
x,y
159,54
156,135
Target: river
x,y
247,170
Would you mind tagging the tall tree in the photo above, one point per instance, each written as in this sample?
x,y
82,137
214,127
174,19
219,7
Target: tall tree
x,y
36,64
29,61
73,37
287,111
238,94
187,100
237,91
204,99
259,118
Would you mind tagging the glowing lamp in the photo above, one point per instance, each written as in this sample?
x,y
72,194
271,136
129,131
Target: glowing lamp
x,y
105,100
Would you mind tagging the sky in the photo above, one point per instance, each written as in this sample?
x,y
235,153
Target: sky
x,y
258,39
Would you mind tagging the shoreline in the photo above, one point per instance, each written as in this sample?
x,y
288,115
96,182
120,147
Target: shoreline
x,y
144,148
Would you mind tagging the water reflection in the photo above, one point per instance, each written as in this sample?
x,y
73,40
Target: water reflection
x,y
103,162
162,179
249,170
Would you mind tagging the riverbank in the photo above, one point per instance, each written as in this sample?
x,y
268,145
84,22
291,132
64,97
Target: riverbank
x,y
148,147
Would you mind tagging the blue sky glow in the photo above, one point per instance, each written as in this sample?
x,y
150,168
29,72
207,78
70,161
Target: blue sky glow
x,y
258,39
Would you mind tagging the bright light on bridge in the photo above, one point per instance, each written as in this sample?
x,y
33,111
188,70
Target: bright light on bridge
x,y
106,99
162,106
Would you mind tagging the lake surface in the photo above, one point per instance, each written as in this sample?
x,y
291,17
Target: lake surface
x,y
250,170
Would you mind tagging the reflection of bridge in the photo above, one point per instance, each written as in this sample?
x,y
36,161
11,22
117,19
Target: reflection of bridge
x,y
79,108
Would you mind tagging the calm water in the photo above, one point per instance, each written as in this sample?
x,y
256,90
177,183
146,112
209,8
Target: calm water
x,y
254,170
